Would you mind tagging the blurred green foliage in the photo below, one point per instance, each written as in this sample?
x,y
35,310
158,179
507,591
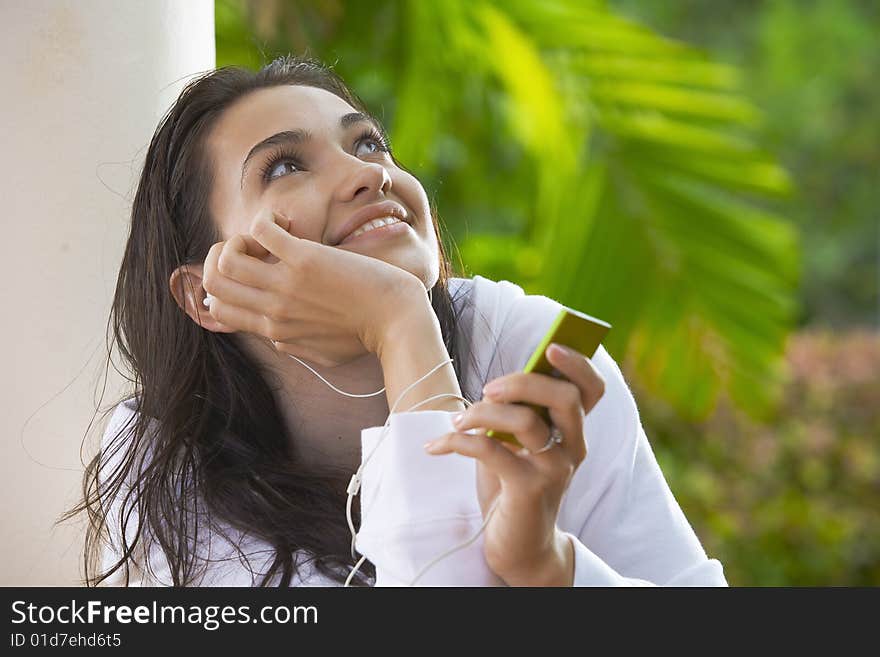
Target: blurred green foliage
x,y
813,66
794,501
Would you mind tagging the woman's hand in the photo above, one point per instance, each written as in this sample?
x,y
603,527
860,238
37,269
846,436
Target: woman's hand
x,y
305,296
522,544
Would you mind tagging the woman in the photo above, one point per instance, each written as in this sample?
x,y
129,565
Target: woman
x,y
258,245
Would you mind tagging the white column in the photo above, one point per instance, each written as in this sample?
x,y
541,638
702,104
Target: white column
x,y
83,85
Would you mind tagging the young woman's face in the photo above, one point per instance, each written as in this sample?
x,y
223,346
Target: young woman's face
x,y
331,172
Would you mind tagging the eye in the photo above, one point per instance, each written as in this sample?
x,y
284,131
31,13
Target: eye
x,y
371,135
281,156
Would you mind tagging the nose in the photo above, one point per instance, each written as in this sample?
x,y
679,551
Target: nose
x,y
369,177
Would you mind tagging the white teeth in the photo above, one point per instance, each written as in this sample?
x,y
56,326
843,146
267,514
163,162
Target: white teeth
x,y
375,223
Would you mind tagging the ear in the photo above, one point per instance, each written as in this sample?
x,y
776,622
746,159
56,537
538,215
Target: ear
x,y
187,290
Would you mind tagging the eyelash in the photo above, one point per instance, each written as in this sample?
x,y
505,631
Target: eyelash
x,y
284,153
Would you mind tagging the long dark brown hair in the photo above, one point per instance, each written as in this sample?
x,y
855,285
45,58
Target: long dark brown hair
x,y
219,449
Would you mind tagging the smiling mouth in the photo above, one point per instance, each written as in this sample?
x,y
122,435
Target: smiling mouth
x,y
373,224
378,228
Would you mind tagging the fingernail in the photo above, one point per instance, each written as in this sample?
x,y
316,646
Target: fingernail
x,y
559,350
458,419
494,389
429,446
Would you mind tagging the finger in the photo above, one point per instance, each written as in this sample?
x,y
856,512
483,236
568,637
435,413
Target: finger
x,y
241,319
502,462
564,410
257,250
578,369
272,235
210,273
590,389
244,297
251,247
282,220
574,444
582,381
230,291
547,391
517,419
235,262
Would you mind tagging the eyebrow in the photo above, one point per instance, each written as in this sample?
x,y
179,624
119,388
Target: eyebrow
x,y
298,136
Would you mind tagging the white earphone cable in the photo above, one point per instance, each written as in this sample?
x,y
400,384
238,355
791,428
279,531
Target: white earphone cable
x,y
341,392
354,484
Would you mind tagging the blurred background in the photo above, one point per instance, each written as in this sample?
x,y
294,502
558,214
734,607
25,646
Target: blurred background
x,y
702,175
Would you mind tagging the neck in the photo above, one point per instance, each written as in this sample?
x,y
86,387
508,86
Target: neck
x,y
325,424
355,375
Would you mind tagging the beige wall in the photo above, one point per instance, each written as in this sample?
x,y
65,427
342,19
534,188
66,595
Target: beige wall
x,y
83,86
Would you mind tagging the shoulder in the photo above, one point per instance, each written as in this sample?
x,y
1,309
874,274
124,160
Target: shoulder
x,y
122,418
491,301
231,557
127,439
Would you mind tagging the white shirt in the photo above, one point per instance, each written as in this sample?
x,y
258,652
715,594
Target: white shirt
x,y
624,523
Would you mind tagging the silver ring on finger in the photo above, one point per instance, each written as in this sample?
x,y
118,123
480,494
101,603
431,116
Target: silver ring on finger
x,y
554,439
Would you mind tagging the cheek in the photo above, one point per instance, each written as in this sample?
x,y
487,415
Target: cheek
x,y
411,192
229,216
303,206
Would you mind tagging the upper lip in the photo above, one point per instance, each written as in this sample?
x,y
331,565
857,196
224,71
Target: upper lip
x,y
368,213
